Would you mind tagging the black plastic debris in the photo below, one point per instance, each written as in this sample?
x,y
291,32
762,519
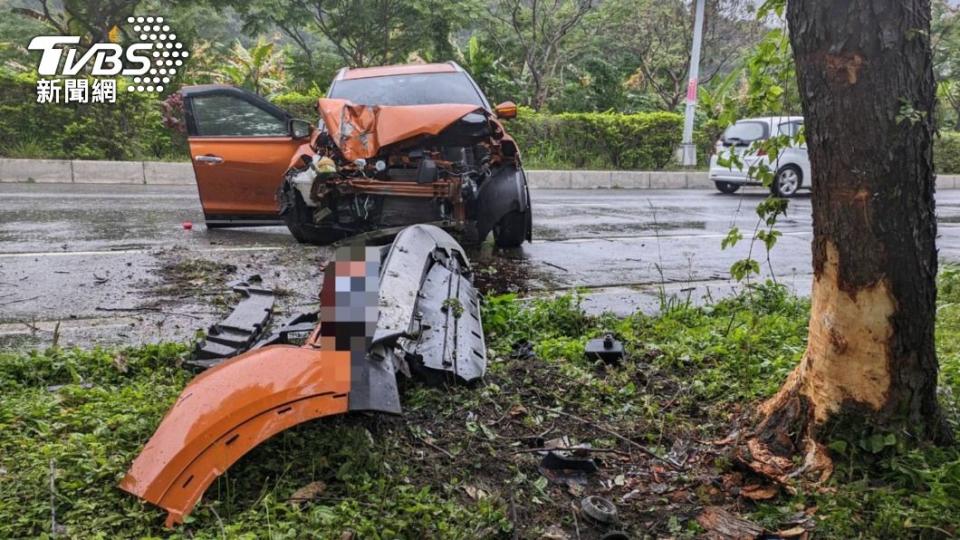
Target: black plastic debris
x,y
607,348
565,464
292,331
239,331
522,350
568,461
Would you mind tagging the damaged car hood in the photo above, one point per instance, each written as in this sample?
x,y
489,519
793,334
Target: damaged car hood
x,y
360,131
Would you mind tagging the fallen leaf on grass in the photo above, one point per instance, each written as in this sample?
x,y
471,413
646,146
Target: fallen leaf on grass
x,y
554,532
475,493
757,492
793,532
518,410
307,493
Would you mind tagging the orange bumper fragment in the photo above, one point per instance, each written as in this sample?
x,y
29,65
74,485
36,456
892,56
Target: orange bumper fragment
x,y
228,410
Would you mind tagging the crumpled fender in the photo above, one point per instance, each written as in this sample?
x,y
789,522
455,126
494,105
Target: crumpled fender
x,y
360,131
504,192
228,410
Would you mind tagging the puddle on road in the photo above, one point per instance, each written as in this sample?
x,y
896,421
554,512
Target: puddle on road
x,y
602,230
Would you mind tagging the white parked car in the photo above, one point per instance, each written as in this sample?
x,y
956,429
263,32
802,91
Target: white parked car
x,y
791,167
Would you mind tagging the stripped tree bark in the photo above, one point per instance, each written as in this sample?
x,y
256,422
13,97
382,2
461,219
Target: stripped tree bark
x,y
867,88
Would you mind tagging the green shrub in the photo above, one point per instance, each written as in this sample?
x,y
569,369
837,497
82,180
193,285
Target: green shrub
x,y
946,153
302,106
596,140
130,129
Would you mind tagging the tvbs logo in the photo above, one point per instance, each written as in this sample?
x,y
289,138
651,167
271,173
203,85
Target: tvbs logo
x,y
148,63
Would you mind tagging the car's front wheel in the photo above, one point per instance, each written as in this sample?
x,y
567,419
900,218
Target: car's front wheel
x,y
298,218
727,187
787,182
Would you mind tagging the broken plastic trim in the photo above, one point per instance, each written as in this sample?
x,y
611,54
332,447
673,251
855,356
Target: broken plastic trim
x,y
429,307
238,332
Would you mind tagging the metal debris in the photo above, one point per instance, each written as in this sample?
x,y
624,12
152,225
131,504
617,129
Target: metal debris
x,y
599,509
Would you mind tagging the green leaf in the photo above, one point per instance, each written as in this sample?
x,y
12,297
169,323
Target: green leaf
x,y
838,446
731,239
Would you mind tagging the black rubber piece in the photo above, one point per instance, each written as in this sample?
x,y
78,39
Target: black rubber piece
x,y
568,462
615,535
599,509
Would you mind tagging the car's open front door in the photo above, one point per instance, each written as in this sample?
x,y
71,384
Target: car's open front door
x,y
241,145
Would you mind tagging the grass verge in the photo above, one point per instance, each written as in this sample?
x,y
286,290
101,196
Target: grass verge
x,y
459,463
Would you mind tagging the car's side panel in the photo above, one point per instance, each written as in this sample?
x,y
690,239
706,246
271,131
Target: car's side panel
x,y
238,177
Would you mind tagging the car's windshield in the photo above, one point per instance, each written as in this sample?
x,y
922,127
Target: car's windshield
x,y
743,132
419,89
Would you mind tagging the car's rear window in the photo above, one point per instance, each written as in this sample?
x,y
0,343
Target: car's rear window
x,y
420,89
744,132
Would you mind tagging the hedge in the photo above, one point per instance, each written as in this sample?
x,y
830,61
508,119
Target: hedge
x,y
302,106
946,152
596,140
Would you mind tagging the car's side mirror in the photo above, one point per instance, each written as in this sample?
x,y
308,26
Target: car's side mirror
x,y
506,110
300,129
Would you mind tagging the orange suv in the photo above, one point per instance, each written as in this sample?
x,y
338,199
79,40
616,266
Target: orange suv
x,y
395,145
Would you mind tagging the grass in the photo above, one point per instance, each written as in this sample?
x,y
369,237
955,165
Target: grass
x,y
457,464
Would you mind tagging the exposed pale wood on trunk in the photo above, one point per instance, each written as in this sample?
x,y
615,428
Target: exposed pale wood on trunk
x,y
867,88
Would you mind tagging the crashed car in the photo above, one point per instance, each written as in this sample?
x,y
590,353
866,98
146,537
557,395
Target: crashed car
x,y
395,145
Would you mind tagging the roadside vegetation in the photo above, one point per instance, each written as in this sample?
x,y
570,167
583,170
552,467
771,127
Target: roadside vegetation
x,y
598,90
459,463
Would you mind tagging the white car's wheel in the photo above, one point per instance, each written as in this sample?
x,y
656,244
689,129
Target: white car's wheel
x,y
787,182
727,187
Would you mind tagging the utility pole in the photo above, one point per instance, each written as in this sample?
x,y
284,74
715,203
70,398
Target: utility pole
x,y
688,149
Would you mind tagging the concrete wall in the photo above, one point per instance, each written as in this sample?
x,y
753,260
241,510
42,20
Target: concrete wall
x,y
163,173
95,172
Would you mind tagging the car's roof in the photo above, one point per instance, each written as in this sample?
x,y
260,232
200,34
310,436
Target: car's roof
x,y
772,119
400,69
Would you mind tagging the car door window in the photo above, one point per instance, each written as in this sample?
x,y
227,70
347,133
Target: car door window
x,y
229,116
790,128
744,133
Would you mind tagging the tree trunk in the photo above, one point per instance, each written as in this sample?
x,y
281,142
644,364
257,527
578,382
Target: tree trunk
x,y
868,91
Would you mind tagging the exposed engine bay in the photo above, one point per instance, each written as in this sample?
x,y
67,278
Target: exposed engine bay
x,y
373,168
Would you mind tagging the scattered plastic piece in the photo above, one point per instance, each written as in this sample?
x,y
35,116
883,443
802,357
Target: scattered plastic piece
x,y
607,348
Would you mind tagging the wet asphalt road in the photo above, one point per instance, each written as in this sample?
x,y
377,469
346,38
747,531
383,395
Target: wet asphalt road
x,y
97,258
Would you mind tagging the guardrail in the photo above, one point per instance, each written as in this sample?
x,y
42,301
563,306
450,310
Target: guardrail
x,y
172,173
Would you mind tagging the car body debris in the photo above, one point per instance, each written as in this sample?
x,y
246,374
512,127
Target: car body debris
x,y
408,309
567,465
240,330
